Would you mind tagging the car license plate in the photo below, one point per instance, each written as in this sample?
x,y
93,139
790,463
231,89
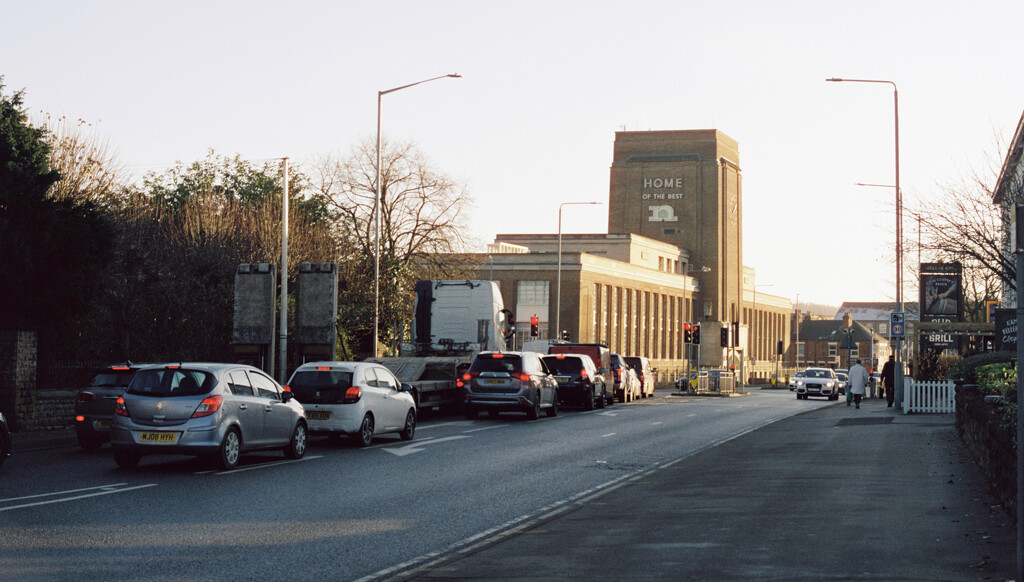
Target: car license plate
x,y
158,437
562,379
494,382
104,424
317,415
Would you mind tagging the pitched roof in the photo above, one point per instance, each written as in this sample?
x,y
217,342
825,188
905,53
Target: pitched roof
x,y
832,330
875,311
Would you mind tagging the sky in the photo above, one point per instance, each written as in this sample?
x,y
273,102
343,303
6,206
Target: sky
x,y
545,85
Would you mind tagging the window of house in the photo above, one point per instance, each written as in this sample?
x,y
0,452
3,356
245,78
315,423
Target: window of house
x,y
833,348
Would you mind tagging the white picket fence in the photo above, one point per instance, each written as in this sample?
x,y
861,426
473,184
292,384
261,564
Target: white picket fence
x,y
933,396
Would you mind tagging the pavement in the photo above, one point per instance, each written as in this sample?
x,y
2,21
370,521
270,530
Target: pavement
x,y
835,493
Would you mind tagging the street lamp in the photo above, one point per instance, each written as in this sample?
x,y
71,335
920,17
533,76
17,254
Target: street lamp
x,y
558,281
898,379
376,212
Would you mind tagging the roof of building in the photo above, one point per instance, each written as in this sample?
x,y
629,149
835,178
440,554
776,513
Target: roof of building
x,y
875,311
832,330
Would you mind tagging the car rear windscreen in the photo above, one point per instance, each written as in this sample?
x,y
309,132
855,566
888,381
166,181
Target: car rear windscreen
x,y
320,386
111,378
488,363
564,365
172,382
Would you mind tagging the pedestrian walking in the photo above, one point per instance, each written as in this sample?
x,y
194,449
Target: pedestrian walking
x,y
888,379
858,383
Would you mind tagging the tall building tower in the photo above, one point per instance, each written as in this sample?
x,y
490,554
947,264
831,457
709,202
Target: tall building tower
x,y
684,188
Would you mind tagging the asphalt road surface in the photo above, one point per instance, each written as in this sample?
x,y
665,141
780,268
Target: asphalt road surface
x,y
344,513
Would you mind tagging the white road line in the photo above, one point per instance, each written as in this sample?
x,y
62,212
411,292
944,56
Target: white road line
x,y
604,436
263,466
62,492
415,447
655,423
104,490
493,426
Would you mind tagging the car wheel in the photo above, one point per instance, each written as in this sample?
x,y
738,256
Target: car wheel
x,y
365,435
297,447
553,411
410,426
588,399
230,450
533,412
126,459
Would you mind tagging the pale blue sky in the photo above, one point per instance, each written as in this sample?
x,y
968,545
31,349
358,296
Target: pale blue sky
x,y
545,86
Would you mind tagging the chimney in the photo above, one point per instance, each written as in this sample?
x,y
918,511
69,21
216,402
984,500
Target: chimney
x,y
847,320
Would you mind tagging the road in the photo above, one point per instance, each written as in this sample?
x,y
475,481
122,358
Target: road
x,y
344,513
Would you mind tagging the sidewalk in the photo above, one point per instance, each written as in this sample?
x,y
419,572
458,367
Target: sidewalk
x,y
831,494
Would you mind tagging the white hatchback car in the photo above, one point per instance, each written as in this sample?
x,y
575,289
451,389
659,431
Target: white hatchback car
x,y
356,399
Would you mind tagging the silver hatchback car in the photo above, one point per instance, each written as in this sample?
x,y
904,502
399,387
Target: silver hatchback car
x,y
202,409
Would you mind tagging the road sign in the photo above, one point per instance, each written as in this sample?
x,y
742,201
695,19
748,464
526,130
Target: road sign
x,y
693,379
896,324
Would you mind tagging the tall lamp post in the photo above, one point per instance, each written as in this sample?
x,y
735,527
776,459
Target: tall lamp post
x,y
898,375
376,212
558,277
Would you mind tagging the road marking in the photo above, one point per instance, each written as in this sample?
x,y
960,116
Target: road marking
x,y
415,448
493,426
99,490
609,413
655,423
440,424
604,436
260,466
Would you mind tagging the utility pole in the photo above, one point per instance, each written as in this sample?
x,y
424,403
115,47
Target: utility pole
x,y
283,362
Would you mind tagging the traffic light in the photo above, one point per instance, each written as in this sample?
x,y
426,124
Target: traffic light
x,y
688,332
565,335
534,326
725,336
695,333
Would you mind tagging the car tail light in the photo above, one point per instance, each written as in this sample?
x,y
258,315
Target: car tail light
x,y
497,356
84,397
79,418
208,406
286,388
618,374
583,373
120,368
523,377
459,383
119,407
560,357
324,368
353,395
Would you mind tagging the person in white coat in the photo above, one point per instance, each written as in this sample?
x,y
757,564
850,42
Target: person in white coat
x,y
859,379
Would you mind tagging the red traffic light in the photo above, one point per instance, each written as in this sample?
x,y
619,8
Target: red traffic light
x,y
687,326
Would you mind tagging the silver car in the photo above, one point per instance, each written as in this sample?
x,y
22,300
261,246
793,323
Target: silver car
x,y
212,410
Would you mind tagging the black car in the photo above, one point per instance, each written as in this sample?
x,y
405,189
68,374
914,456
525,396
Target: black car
x,y
578,381
94,406
5,439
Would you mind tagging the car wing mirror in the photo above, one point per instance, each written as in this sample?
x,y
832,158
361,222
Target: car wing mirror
x,y
405,387
286,396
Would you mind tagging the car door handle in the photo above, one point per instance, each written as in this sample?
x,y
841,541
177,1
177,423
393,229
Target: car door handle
x,y
268,408
243,406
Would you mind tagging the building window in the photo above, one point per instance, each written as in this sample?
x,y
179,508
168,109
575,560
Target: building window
x,y
883,329
855,352
800,349
833,348
533,292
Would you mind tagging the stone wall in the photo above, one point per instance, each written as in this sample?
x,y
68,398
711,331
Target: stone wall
x,y
25,407
977,422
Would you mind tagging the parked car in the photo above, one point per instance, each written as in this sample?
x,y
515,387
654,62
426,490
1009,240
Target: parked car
x,y
578,380
355,399
644,372
818,382
5,439
627,385
210,410
843,380
599,354
94,405
510,382
793,380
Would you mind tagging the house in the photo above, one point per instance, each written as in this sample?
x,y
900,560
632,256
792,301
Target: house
x,y
831,343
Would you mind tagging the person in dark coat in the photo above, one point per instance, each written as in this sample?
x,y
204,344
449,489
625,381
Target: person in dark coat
x,y
888,379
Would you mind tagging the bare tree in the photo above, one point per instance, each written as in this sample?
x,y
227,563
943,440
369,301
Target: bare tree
x,y
89,169
963,224
421,212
